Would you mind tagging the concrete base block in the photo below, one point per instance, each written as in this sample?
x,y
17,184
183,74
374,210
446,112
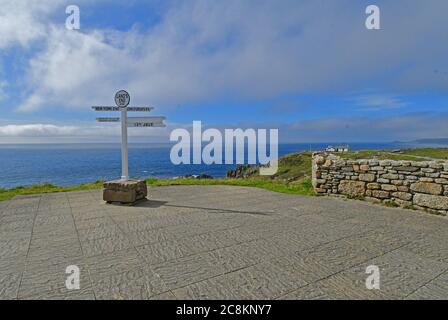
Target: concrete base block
x,y
124,192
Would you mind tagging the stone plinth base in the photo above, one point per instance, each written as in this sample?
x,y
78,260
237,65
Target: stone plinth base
x,y
124,192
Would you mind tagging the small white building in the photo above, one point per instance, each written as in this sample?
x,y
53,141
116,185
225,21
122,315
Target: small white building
x,y
342,148
345,148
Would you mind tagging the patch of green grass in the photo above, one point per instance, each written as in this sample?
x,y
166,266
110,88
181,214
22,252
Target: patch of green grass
x,y
294,166
378,154
293,177
420,154
303,186
6,194
390,203
435,153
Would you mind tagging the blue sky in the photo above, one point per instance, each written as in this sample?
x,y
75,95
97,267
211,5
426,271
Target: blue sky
x,y
309,68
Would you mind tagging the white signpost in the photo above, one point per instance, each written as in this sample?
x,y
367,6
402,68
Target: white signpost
x,y
122,100
145,122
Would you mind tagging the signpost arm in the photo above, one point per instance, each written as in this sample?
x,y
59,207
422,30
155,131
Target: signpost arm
x,y
122,99
124,146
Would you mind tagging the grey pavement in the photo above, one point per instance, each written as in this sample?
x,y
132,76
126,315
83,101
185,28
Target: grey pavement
x,y
218,242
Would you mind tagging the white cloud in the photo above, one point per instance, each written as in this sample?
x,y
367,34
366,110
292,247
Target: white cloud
x,y
349,129
75,70
81,132
32,130
24,21
376,102
386,128
203,50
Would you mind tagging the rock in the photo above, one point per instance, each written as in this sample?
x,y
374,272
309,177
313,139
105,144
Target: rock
x,y
403,203
402,195
431,201
319,159
426,179
243,171
403,189
427,187
352,188
419,164
126,192
373,186
328,163
369,177
321,181
119,196
436,165
380,194
381,180
397,182
390,176
200,176
364,167
407,169
389,187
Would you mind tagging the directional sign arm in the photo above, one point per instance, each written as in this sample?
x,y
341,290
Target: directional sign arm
x,y
147,119
145,122
108,119
105,108
112,108
140,109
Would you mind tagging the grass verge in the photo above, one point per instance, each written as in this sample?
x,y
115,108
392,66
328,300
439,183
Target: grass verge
x,y
6,194
421,154
303,187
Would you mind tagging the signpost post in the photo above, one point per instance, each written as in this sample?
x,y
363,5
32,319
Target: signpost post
x,y
125,190
122,99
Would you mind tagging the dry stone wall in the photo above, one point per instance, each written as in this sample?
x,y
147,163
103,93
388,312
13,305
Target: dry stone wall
x,y
422,185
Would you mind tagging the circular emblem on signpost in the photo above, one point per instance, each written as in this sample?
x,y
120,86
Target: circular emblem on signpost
x,y
122,99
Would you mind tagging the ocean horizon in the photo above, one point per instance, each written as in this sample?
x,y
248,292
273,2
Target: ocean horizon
x,y
73,164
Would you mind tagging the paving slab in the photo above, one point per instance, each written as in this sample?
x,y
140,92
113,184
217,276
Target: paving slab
x,y
218,242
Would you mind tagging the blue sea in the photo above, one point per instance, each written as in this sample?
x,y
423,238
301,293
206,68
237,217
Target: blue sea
x,y
72,164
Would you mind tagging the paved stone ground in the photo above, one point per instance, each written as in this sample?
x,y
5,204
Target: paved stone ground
x,y
218,242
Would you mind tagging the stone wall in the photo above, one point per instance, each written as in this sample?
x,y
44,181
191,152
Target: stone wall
x,y
422,185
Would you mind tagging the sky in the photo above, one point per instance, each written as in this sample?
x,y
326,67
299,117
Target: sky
x,y
309,68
